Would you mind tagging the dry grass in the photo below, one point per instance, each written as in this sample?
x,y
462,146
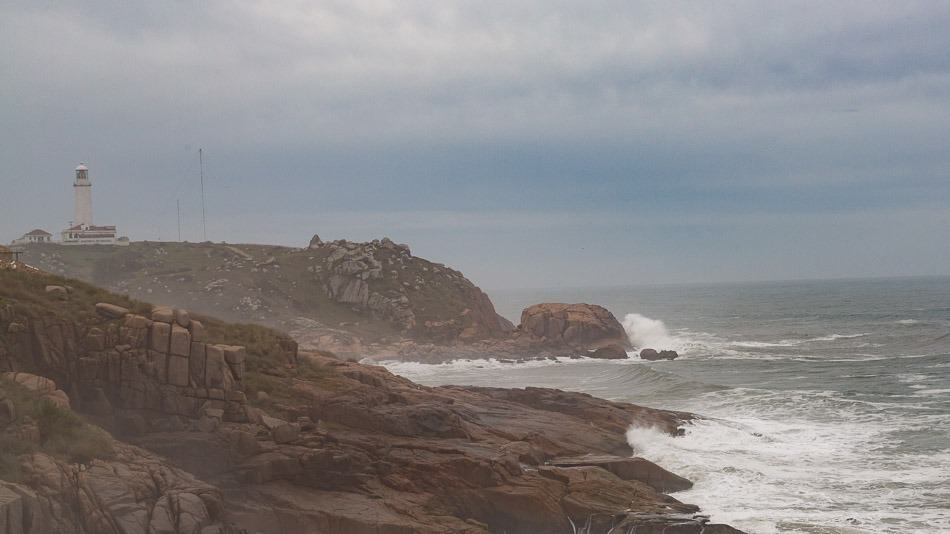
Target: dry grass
x,y
27,292
63,434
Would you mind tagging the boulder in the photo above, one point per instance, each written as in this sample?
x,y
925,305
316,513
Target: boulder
x,y
111,311
59,292
34,383
159,336
610,352
180,341
215,366
584,326
163,314
182,317
286,433
653,355
197,330
315,242
639,469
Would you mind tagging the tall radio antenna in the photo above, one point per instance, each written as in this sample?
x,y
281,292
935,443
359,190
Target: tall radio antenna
x,y
204,220
178,205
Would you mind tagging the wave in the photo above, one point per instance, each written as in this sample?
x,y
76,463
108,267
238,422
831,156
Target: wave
x,y
646,332
761,468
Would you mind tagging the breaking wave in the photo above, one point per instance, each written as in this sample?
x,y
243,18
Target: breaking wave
x,y
762,468
645,332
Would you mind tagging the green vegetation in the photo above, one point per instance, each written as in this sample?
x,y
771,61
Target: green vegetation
x,y
263,284
59,432
27,291
267,349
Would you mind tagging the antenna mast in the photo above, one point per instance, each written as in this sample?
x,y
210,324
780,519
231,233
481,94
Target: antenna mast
x,y
204,220
178,205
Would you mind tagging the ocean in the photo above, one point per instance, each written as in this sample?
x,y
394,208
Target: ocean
x,y
826,404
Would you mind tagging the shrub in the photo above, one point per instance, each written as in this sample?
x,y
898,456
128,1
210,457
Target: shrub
x,y
63,434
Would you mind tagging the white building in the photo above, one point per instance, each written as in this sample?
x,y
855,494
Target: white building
x,y
34,236
82,188
83,231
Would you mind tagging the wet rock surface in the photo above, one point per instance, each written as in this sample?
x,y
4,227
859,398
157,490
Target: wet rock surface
x,y
586,326
654,355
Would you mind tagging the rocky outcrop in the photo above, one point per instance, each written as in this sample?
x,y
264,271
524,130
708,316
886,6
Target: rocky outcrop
x,y
374,290
388,455
382,278
130,362
626,468
581,326
654,355
135,492
613,351
330,446
41,386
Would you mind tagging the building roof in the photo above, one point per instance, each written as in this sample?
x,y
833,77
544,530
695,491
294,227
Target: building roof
x,y
80,228
37,231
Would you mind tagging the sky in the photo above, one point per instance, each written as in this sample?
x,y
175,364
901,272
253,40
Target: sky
x,y
529,144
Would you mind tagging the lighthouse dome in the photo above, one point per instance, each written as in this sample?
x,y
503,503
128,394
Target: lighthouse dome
x,y
82,167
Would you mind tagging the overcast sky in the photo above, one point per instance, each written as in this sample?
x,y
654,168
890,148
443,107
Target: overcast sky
x,y
532,143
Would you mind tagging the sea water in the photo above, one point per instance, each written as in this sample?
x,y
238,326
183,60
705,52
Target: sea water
x,y
826,404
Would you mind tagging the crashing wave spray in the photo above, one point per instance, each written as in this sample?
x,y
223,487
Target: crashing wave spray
x,y
644,332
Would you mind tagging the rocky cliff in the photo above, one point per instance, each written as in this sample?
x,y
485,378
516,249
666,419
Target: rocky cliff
x,y
371,291
300,442
547,330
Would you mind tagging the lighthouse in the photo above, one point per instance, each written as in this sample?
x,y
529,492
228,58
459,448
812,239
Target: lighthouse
x,y
82,231
82,189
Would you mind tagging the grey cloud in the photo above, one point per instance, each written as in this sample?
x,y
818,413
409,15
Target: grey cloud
x,y
533,106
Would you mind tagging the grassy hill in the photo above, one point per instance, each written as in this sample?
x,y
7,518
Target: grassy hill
x,y
377,291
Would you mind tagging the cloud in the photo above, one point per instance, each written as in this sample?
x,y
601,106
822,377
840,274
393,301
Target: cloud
x,y
476,116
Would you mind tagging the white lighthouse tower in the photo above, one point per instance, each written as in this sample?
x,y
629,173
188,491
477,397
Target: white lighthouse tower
x,y
82,231
82,189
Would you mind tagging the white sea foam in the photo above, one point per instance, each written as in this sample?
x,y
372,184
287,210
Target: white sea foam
x,y
778,465
422,371
645,332
794,342
932,392
907,321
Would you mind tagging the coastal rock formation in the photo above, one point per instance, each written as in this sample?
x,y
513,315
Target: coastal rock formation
x,y
613,351
373,290
653,354
135,492
131,362
630,469
582,326
324,445
370,277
